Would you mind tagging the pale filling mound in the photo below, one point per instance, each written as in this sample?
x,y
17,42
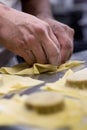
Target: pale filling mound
x,y
45,102
77,79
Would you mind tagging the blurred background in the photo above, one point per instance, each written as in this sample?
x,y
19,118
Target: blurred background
x,y
74,14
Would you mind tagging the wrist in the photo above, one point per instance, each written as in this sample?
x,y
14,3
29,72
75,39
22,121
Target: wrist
x,y
1,20
45,16
3,13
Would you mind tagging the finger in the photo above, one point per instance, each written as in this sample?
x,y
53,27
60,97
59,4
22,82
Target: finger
x,y
38,52
66,45
52,51
53,37
55,40
65,54
66,50
69,31
29,57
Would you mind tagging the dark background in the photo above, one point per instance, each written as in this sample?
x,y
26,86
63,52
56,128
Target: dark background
x,y
73,15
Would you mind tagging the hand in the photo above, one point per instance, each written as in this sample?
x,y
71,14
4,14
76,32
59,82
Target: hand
x,y
64,35
29,37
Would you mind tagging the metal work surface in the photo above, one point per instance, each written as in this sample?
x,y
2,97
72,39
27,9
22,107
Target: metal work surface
x,y
47,78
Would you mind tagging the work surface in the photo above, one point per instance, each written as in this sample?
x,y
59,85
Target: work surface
x,y
47,78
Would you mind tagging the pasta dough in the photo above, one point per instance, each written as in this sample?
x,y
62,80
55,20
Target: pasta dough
x,y
15,108
60,86
77,79
45,102
23,68
13,83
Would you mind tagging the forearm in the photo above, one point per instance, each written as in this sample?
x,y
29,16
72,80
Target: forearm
x,y
37,7
5,17
2,10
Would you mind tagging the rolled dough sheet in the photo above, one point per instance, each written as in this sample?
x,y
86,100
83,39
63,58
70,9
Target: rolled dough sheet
x,y
23,69
61,87
15,108
13,83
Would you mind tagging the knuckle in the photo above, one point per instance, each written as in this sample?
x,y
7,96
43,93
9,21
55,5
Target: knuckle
x,y
68,45
31,38
66,27
73,31
21,43
47,26
40,30
69,29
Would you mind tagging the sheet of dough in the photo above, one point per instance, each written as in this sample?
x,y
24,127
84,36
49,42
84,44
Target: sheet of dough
x,y
23,69
13,83
82,126
15,108
62,88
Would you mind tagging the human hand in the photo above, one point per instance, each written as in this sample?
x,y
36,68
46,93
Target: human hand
x,y
64,35
29,37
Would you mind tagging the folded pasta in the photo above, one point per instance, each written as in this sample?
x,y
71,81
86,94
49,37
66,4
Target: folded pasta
x,y
24,69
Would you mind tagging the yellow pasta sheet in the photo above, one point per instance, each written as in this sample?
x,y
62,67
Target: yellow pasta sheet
x,y
23,69
81,126
13,83
10,83
15,109
60,87
63,89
